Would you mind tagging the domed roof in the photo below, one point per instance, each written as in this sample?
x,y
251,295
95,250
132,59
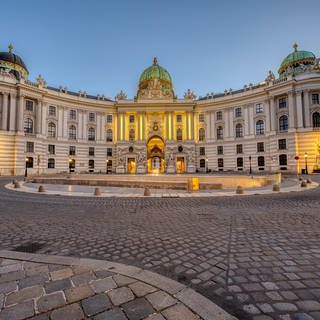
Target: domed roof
x,y
155,72
295,58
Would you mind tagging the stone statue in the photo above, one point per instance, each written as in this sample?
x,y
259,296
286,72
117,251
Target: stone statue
x,y
121,96
189,95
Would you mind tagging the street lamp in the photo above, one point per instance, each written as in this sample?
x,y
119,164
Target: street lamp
x,y
306,162
70,161
26,167
207,165
250,168
107,162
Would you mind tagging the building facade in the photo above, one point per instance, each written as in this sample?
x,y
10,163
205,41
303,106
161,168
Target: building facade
x,y
272,126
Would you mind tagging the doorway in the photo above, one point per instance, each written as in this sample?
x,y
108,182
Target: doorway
x,y
131,165
155,148
180,165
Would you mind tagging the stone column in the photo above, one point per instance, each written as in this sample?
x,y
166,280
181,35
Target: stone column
x,y
119,126
172,126
212,121
299,109
20,120
306,101
246,119
38,117
192,125
231,129
273,119
144,125
167,125
4,115
124,126
60,122
208,126
291,110
251,121
187,125
13,112
84,126
102,126
226,126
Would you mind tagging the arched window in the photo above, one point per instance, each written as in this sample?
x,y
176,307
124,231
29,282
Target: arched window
x,y
28,125
282,159
316,120
202,134
72,132
91,134
51,163
239,130
260,161
259,127
179,134
51,130
29,162
219,133
91,164
283,123
239,162
202,163
132,135
109,135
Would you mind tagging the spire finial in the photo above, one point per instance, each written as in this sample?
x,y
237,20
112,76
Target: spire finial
x,y
155,61
295,46
10,47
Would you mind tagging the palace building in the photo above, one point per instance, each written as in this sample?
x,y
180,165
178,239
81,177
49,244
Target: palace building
x,y
271,126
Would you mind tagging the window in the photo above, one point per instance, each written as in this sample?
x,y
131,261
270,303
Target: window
x,y
131,118
282,143
219,149
239,130
109,135
260,147
179,118
202,151
282,159
220,163
261,161
202,134
91,151
29,162
52,149
109,152
51,130
315,98
283,123
238,112
109,118
219,115
28,125
132,134
72,132
29,146
202,163
239,148
91,134
72,115
316,120
240,162
259,108
52,111
282,103
91,164
219,133
51,163
92,117
72,151
259,127
201,117
179,134
29,105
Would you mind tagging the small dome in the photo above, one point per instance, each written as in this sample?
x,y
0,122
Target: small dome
x,y
12,61
295,58
155,72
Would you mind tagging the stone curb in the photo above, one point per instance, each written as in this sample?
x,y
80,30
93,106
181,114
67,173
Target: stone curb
x,y
202,306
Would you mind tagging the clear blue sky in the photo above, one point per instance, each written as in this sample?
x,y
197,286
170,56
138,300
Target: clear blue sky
x,y
102,46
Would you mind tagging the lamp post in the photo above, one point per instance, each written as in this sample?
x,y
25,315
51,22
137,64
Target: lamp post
x,y
207,165
306,162
70,160
250,168
26,167
107,162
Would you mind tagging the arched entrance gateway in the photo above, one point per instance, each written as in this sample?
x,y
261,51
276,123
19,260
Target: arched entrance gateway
x,y
155,155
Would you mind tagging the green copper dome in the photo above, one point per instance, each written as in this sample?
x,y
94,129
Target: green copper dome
x,y
295,58
155,72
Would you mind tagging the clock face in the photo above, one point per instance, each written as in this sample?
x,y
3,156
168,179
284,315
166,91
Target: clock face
x,y
155,127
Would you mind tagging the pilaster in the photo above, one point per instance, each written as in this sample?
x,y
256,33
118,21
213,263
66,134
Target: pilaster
x,y
4,116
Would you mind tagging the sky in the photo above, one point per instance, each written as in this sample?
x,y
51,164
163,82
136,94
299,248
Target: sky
x,y
103,46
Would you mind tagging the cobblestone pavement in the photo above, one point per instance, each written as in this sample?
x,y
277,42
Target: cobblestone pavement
x,y
256,256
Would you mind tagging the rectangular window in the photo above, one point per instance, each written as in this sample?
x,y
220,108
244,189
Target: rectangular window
x,y
239,162
239,148
52,111
179,118
51,163
201,117
315,98
73,115
260,147
238,112
72,151
52,149
131,118
219,149
92,117
283,160
282,103
260,161
109,118
282,143
219,115
29,105
91,151
109,152
30,147
220,163
202,151
259,108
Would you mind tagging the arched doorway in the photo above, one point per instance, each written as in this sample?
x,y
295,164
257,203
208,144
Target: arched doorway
x,y
155,148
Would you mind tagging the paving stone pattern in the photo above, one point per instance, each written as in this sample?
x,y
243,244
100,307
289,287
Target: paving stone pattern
x,y
256,256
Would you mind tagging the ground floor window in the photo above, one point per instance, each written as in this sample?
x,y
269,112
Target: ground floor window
x,y
240,162
51,163
202,163
29,162
220,163
91,164
282,159
260,161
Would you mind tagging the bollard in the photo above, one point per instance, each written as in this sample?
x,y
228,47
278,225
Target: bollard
x,y
276,188
97,192
239,190
309,181
304,184
16,184
147,192
41,189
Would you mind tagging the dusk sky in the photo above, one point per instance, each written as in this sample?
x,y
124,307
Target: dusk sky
x,y
103,46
